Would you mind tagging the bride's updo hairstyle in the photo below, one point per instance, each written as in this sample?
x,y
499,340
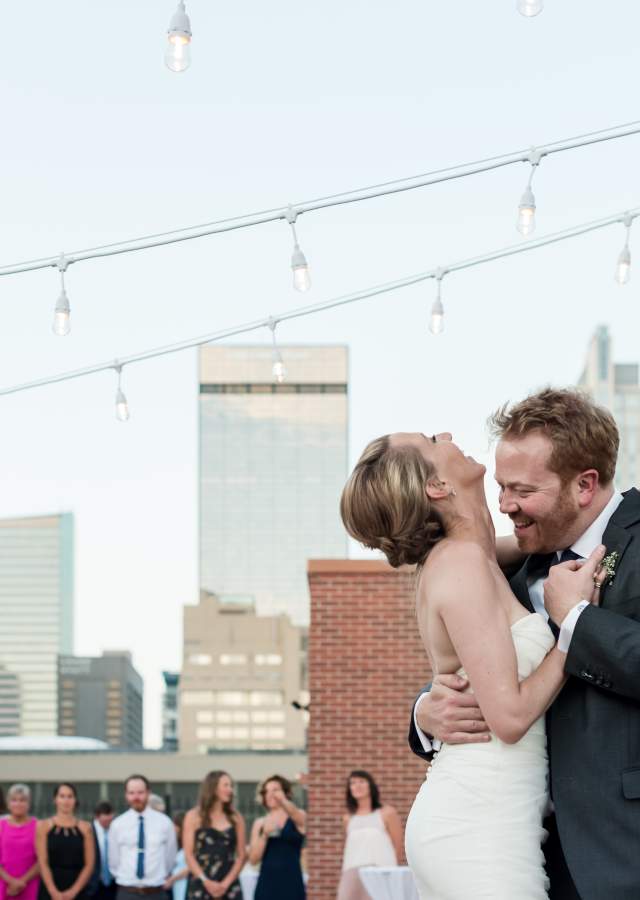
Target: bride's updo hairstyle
x,y
384,504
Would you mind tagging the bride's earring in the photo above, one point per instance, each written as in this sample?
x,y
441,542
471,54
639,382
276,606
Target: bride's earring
x,y
452,492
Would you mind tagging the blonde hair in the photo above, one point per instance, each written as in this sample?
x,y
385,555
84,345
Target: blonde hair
x,y
384,504
582,434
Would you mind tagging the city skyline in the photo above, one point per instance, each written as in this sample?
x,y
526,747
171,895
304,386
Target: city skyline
x,y
392,103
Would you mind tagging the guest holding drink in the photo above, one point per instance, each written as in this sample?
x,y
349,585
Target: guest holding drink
x,y
373,834
214,841
66,849
18,861
276,843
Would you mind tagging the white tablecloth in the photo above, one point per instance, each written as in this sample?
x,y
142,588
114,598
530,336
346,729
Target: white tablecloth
x,y
389,883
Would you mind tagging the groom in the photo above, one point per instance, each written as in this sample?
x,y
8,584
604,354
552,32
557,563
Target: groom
x,y
555,462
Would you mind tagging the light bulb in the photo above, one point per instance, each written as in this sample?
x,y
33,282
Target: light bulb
x,y
623,268
279,370
301,276
527,213
436,325
530,8
122,407
62,315
177,56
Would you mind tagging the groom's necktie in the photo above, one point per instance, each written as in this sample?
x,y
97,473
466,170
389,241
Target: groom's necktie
x,y
538,566
141,843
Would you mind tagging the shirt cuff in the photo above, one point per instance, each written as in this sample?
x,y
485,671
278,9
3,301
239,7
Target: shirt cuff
x,y
429,745
568,625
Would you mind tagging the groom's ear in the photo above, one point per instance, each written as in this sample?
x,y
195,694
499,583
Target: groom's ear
x,y
436,489
587,484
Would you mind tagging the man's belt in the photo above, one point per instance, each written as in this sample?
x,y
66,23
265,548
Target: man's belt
x,y
143,891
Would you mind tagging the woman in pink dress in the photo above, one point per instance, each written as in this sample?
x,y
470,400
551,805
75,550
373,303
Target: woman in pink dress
x,y
18,861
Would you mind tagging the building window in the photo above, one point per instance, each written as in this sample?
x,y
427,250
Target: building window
x,y
268,659
205,732
200,659
204,716
233,659
198,698
266,698
229,734
232,698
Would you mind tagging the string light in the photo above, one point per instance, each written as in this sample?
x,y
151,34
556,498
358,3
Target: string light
x,y
335,303
177,56
530,8
527,209
278,370
62,311
436,325
299,264
122,407
623,267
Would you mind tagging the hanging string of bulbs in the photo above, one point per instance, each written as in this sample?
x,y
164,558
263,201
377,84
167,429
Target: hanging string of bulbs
x,y
177,55
436,324
299,265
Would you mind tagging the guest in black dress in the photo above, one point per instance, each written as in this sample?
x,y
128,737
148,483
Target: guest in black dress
x,y
213,838
66,850
276,843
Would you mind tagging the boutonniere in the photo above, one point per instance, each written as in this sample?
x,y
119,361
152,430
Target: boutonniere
x,y
608,566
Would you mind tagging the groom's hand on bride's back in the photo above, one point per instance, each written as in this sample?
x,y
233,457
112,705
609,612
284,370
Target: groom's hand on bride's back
x,y
449,714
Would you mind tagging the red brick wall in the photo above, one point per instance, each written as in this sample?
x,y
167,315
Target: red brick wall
x,y
366,664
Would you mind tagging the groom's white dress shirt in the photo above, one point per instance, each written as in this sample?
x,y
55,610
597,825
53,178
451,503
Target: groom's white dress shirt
x,y
160,848
584,547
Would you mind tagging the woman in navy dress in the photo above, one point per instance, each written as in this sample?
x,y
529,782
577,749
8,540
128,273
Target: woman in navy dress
x,y
276,843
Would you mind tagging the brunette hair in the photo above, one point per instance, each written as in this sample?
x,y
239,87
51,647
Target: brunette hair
x,y
178,821
384,504
352,803
285,784
582,434
104,808
208,794
71,787
141,778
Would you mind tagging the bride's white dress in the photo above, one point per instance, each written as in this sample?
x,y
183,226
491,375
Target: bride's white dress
x,y
475,828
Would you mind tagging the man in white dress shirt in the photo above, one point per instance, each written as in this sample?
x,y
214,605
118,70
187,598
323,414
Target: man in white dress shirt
x,y
101,884
142,844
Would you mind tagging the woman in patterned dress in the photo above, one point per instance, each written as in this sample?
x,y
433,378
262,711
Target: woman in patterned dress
x,y
214,841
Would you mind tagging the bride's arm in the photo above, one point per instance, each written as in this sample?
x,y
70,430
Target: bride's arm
x,y
463,588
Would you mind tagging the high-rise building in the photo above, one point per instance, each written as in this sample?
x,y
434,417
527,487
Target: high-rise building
x,y
9,703
170,707
101,697
36,612
616,386
240,676
273,461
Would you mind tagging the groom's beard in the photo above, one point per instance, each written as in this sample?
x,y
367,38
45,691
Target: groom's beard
x,y
553,530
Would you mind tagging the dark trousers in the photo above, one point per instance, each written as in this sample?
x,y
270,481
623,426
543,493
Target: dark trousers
x,y
562,886
124,894
105,892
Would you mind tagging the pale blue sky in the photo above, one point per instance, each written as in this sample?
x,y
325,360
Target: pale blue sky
x,y
286,101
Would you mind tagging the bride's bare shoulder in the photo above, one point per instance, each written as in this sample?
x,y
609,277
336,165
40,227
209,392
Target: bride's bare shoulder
x,y
457,552
454,563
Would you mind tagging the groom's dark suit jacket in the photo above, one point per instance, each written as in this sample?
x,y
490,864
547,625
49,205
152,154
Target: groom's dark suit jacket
x,y
593,727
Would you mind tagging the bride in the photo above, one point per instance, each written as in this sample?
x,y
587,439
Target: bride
x,y
475,828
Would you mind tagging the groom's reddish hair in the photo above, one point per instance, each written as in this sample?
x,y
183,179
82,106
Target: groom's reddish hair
x,y
583,435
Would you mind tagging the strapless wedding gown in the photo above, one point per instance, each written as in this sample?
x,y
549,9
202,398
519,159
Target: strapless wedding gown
x,y
475,828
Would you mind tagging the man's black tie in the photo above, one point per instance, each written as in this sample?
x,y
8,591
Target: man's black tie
x,y
538,566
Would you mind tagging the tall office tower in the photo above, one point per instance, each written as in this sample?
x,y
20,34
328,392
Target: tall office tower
x,y
273,461
616,386
101,697
240,676
170,741
36,612
9,703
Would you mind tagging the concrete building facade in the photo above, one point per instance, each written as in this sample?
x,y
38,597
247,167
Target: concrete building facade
x,y
616,386
170,714
101,697
36,612
241,673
